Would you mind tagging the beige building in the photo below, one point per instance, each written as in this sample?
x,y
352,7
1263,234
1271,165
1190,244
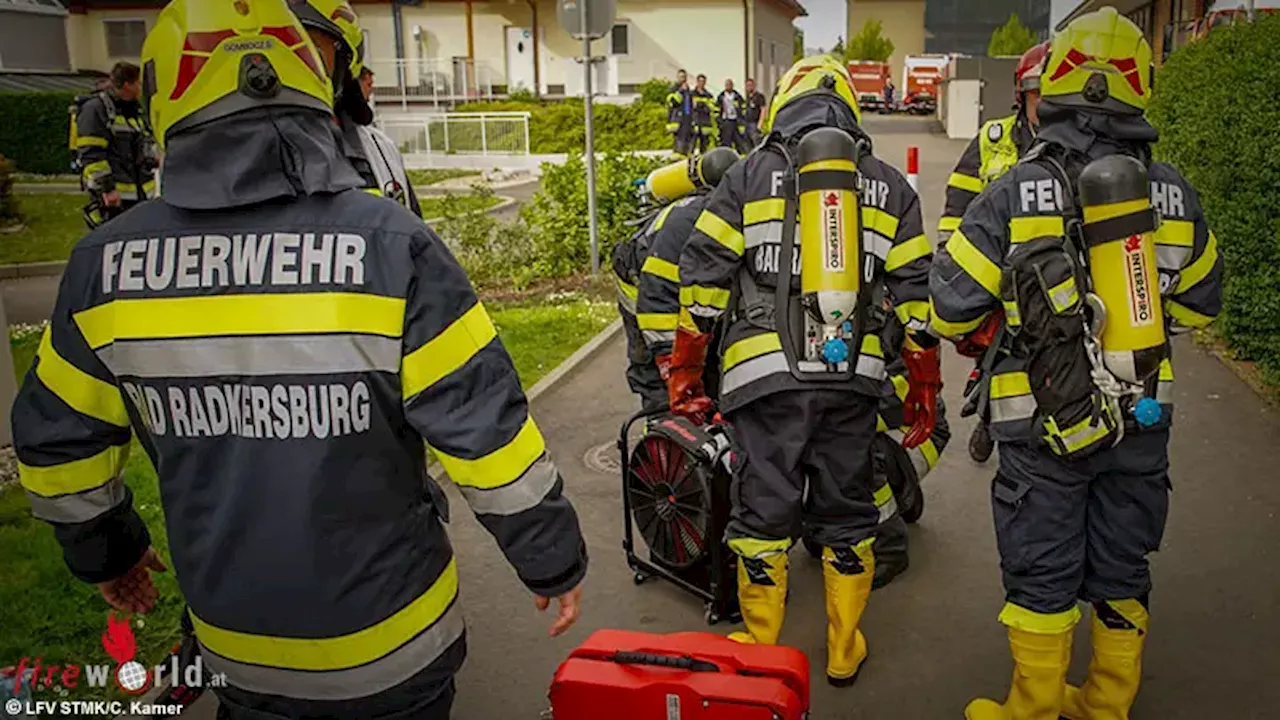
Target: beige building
x,y
902,21
496,45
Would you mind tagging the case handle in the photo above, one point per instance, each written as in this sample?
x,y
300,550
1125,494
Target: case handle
x,y
684,662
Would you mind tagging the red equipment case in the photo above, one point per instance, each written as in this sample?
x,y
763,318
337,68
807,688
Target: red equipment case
x,y
623,675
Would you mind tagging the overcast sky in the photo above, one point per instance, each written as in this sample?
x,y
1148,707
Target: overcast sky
x,y
827,20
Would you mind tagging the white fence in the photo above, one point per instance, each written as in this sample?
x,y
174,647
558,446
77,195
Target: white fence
x,y
481,133
441,81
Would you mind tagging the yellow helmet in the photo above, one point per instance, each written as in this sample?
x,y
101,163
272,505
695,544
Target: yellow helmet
x,y
1101,61
812,75
207,59
336,19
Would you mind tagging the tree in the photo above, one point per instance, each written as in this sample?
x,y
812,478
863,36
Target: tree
x,y
838,50
1012,38
869,44
797,43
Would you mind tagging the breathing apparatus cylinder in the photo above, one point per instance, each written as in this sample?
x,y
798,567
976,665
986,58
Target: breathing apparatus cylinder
x,y
1119,227
829,217
672,182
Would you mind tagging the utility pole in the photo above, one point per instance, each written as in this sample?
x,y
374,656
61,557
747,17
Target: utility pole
x,y
1251,13
587,62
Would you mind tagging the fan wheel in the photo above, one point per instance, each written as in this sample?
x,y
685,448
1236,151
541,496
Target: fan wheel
x,y
670,497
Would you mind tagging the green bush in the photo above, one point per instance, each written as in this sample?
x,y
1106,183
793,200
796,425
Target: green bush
x,y
1215,109
559,127
655,91
9,214
557,215
34,128
493,253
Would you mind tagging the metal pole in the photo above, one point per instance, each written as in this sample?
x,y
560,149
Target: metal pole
x,y
1251,13
591,140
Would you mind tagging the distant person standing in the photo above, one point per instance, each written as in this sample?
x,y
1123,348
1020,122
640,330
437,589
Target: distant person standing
x,y
704,114
680,114
888,95
115,155
732,109
384,157
756,103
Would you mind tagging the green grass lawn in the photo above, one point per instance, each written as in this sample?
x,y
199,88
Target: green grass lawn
x,y
50,614
433,206
54,224
34,179
431,176
24,351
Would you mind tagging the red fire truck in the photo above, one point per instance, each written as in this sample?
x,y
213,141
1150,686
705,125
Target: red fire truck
x,y
869,78
922,81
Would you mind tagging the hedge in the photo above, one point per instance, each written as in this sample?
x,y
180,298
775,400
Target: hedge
x,y
1215,107
558,127
33,130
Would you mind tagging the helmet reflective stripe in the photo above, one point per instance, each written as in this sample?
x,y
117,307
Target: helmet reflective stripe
x,y
1101,61
337,19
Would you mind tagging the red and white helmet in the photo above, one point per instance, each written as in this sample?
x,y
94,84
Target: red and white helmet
x,y
1027,76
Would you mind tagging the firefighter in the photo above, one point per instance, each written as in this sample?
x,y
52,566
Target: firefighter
x,y
757,108
335,30
680,115
1080,402
799,412
386,161
997,147
115,156
732,109
704,114
282,344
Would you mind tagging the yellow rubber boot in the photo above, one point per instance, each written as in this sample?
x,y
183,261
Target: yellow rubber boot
x,y
847,574
1119,632
762,595
1041,656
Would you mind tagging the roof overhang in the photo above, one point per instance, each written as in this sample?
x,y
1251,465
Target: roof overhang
x,y
792,8
1123,7
34,7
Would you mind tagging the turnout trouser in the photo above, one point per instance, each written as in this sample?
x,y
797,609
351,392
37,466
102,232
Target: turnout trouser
x,y
642,372
684,138
784,439
425,696
1081,530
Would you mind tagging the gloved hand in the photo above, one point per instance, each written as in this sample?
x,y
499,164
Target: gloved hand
x,y
685,393
924,382
975,344
664,366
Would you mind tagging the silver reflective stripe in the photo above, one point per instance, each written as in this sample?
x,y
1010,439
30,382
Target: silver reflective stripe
x,y
872,367
889,509
761,233
79,507
653,337
876,244
516,497
1164,392
1172,257
368,679
1065,298
281,355
627,303
753,370
1011,409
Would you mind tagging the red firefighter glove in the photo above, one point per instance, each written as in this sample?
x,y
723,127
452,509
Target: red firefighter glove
x,y
924,382
684,376
975,344
664,366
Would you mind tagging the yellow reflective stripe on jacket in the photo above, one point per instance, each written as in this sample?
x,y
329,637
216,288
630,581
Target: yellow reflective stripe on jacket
x,y
758,211
1164,385
335,653
76,476
628,294
502,466
1177,233
1010,397
965,182
1185,316
661,219
882,495
88,141
949,329
948,224
713,297
657,321
917,310
148,187
94,169
1026,229
1081,435
906,252
81,391
721,231
1197,271
974,263
1011,384
879,221
275,314
443,354
901,386
1018,617
752,347
664,269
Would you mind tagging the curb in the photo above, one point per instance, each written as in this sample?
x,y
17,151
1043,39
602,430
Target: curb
x,y
506,203
20,271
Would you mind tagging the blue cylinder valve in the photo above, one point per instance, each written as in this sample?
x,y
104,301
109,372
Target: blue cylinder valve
x,y
848,326
835,351
1147,412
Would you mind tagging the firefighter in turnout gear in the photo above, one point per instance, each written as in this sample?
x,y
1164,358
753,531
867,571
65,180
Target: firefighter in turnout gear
x,y
115,156
785,251
645,267
996,149
282,344
680,115
1090,281
705,115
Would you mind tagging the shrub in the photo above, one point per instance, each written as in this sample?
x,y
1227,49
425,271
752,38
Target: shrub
x,y
492,252
559,127
522,94
560,235
1217,118
34,129
655,91
9,214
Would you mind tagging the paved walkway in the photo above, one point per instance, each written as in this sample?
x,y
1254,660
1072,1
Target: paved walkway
x,y
933,634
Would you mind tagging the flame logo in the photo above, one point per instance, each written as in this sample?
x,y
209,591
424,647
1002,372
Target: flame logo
x,y
118,640
1128,68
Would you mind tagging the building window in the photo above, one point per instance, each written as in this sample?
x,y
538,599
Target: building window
x,y
620,40
125,37
1142,18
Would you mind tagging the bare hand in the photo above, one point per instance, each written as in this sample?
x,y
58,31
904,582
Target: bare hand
x,y
111,199
134,592
570,607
